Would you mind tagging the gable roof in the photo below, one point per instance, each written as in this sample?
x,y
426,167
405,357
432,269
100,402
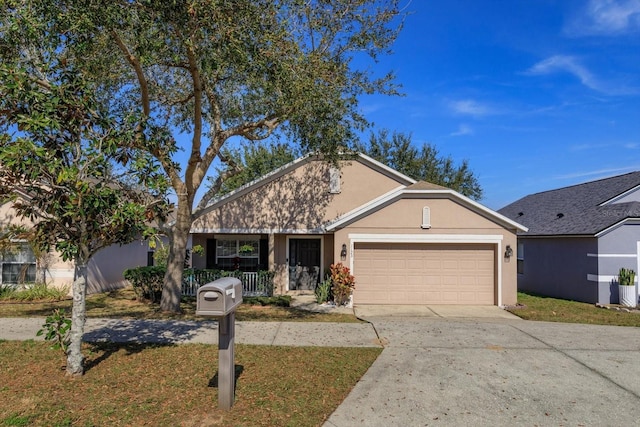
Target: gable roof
x,y
419,189
586,209
283,170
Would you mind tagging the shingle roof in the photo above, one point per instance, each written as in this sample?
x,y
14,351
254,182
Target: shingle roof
x,y
576,210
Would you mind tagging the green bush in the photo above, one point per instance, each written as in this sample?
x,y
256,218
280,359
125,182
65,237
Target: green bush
x,y
146,281
323,291
626,277
57,329
342,283
33,292
6,291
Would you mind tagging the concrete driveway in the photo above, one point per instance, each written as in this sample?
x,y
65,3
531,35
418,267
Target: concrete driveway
x,y
495,370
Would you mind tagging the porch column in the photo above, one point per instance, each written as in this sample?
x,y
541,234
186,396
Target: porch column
x,y
272,251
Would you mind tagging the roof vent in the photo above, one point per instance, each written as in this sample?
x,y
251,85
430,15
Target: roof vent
x,y
560,215
520,214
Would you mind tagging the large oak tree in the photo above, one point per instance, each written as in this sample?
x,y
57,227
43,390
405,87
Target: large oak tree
x,y
214,70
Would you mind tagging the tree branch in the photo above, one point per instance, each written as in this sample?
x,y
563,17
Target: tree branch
x,y
233,170
134,61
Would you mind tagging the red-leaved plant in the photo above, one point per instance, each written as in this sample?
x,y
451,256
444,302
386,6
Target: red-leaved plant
x,y
342,283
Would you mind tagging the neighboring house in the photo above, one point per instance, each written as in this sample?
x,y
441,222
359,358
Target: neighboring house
x,y
19,264
578,239
406,242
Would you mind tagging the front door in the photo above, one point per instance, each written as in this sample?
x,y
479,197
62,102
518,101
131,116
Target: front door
x,y
304,264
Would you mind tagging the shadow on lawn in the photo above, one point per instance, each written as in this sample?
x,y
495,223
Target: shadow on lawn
x,y
151,331
108,349
238,370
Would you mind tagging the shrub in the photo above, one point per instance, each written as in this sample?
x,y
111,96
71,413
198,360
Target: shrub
x,y
323,291
34,292
626,277
57,329
6,291
146,281
342,283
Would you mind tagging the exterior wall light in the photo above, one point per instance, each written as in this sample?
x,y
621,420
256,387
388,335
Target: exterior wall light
x,y
343,252
508,253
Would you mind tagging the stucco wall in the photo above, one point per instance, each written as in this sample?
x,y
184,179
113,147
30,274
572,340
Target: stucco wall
x,y
448,217
299,200
107,266
559,267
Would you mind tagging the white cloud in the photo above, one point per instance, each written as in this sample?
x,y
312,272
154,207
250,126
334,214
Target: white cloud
x,y
567,64
471,108
572,65
463,130
606,17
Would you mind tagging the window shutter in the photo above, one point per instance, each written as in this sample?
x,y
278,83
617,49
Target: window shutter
x,y
211,253
264,254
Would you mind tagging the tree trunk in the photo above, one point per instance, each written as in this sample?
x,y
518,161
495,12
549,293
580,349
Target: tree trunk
x,y
172,287
75,359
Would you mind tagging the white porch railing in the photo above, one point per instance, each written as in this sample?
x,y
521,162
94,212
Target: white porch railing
x,y
253,283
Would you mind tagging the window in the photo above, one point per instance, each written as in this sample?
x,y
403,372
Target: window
x,y
238,254
18,265
520,256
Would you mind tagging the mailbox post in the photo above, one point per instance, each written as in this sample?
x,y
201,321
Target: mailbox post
x,y
219,299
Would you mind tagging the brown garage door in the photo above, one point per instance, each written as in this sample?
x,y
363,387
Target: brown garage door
x,y
410,273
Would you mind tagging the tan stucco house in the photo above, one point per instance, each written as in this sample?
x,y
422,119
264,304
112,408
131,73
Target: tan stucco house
x,y
406,242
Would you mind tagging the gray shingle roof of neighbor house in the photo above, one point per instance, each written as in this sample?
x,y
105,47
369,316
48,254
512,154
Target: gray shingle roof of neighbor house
x,y
576,210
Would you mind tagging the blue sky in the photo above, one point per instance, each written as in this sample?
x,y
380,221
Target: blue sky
x,y
535,94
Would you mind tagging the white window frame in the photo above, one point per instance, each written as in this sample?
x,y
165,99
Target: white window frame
x,y
24,256
520,258
239,241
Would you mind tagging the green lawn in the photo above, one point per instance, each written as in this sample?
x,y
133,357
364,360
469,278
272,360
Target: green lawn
x,y
123,304
557,310
175,385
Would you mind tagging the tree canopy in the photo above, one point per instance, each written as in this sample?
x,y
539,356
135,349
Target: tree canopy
x,y
66,163
214,70
397,151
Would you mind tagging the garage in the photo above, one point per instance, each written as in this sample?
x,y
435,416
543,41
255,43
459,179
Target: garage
x,y
425,273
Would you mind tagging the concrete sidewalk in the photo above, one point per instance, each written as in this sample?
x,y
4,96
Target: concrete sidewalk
x,y
300,334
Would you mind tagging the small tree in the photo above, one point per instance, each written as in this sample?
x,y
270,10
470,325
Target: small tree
x,y
65,162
